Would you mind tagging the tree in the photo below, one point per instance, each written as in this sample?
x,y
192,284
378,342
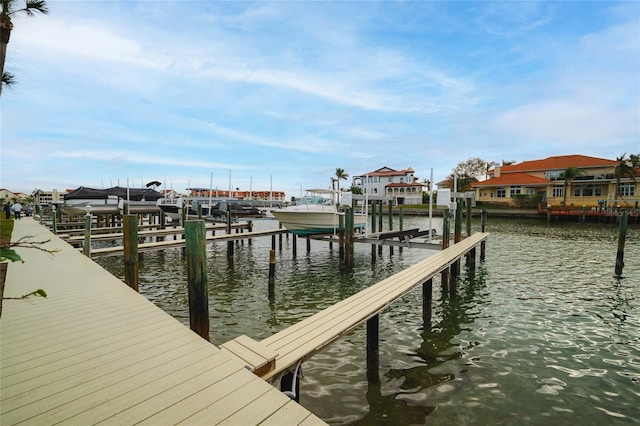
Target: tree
x,y
355,189
568,175
625,168
468,172
9,9
340,174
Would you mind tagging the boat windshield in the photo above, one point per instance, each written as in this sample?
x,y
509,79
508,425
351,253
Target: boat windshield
x,y
314,200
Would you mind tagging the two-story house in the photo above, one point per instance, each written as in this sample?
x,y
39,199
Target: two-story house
x,y
594,184
401,185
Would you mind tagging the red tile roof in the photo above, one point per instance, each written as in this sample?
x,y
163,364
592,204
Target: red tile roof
x,y
560,162
512,179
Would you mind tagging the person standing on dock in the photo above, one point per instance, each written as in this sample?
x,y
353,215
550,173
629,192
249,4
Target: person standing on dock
x,y
7,210
17,208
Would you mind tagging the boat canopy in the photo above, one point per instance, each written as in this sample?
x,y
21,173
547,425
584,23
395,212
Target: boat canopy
x,y
135,194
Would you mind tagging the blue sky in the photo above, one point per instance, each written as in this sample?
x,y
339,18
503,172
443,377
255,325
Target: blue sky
x,y
280,94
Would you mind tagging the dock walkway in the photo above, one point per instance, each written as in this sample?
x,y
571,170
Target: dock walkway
x,y
306,338
96,351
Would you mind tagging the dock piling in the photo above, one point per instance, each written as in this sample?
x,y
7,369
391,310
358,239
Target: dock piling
x,y
130,243
86,248
195,240
622,236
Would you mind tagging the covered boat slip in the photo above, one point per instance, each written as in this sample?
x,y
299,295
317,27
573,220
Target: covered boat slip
x,y
96,351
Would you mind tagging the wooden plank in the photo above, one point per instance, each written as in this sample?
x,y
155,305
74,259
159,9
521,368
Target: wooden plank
x,y
192,402
233,402
102,373
316,332
160,245
291,413
95,351
258,357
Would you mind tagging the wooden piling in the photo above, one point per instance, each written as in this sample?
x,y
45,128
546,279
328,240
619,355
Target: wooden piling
x,y
457,237
444,275
130,243
373,345
272,274
380,215
400,222
427,298
622,236
341,232
483,225
390,225
294,241
468,205
86,248
195,241
373,230
230,242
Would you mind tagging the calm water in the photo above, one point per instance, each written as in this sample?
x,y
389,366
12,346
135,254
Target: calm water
x,y
541,333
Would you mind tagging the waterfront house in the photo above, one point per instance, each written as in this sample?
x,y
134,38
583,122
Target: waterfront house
x,y
542,182
401,185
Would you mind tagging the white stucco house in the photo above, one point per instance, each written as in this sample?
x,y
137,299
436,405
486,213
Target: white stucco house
x,y
401,185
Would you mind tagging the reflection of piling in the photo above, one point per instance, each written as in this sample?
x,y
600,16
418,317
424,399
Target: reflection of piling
x,y
622,235
130,243
195,241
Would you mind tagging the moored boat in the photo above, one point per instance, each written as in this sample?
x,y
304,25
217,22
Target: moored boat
x,y
315,213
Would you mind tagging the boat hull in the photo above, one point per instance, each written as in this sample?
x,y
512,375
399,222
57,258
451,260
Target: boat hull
x,y
314,223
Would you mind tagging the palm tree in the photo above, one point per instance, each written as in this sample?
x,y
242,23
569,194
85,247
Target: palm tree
x,y
340,174
568,175
624,168
9,8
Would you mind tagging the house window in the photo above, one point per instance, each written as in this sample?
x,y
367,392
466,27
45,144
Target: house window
x,y
628,189
390,179
515,190
558,191
501,193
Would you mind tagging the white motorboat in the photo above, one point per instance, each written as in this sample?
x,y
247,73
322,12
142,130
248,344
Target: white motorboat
x,y
315,213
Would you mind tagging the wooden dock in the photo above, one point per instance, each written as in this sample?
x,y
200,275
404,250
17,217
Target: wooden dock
x,y
285,349
96,351
160,245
